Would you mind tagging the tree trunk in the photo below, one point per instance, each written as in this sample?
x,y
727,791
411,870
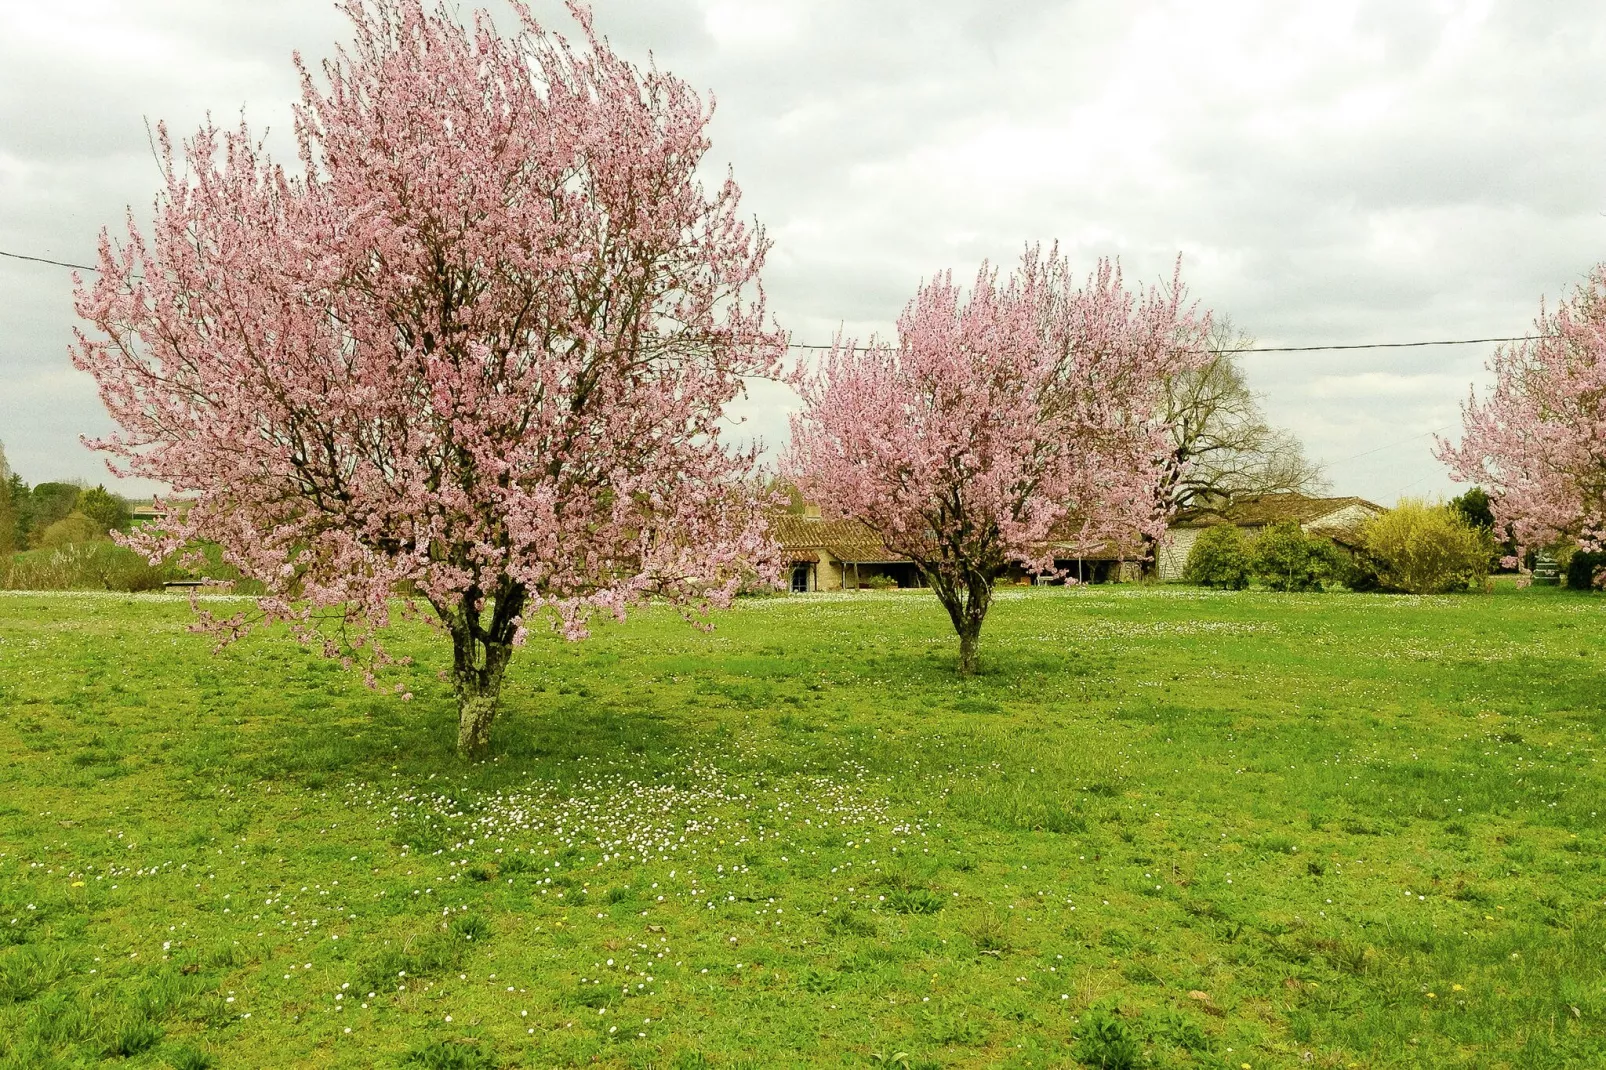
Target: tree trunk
x,y
478,689
968,639
480,655
966,598
1149,564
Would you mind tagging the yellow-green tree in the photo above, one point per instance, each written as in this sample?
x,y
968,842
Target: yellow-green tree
x,y
1421,548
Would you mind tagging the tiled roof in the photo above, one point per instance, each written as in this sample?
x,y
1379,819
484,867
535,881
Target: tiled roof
x,y
1067,537
1271,509
803,537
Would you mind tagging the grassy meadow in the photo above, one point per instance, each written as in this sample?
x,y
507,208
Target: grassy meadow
x,y
1163,828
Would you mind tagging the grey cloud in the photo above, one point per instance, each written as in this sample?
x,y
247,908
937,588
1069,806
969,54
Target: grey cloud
x,y
882,142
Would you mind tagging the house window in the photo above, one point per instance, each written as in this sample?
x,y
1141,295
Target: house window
x,y
800,578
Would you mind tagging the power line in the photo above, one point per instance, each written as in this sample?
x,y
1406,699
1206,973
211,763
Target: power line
x,y
44,260
1311,349
1384,345
817,346
1390,445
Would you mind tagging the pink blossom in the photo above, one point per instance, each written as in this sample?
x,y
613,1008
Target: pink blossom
x,y
1538,442
1001,423
480,344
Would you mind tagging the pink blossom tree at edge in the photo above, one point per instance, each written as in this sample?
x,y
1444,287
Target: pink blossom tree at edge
x,y
477,349
1538,442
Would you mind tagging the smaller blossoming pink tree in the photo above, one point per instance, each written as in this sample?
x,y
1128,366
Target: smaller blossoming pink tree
x,y
478,349
1538,442
1005,420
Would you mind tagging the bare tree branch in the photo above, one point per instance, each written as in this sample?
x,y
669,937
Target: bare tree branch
x,y
1222,448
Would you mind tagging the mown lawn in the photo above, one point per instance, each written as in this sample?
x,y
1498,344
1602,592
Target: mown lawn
x,y
1181,828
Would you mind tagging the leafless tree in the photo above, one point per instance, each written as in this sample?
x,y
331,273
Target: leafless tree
x,y
1222,448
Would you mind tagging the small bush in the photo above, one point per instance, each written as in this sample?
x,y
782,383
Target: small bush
x,y
1219,558
1286,559
107,511
97,565
1586,571
72,528
1355,570
1426,549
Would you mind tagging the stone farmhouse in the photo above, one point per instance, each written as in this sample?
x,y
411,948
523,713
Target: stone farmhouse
x,y
844,555
1338,519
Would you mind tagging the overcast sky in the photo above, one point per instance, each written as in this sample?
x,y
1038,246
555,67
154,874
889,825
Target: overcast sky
x,y
1331,172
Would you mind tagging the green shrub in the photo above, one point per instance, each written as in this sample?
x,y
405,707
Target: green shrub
x,y
70,529
1286,559
1586,571
1342,566
85,566
1426,549
106,510
1219,558
1476,508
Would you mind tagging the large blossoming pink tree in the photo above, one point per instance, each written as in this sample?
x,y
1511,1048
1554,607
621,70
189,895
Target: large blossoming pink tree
x,y
1003,421
476,348
1538,442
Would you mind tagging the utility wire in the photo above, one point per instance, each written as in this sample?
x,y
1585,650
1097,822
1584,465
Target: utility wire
x,y
1384,345
1311,349
43,260
816,346
1390,445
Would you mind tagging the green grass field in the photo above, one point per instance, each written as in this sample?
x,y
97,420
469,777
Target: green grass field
x,y
1164,828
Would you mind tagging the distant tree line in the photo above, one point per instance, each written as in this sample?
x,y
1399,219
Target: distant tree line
x,y
55,514
57,535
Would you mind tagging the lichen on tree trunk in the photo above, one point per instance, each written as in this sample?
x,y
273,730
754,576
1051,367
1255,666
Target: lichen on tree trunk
x,y
968,642
475,712
481,650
